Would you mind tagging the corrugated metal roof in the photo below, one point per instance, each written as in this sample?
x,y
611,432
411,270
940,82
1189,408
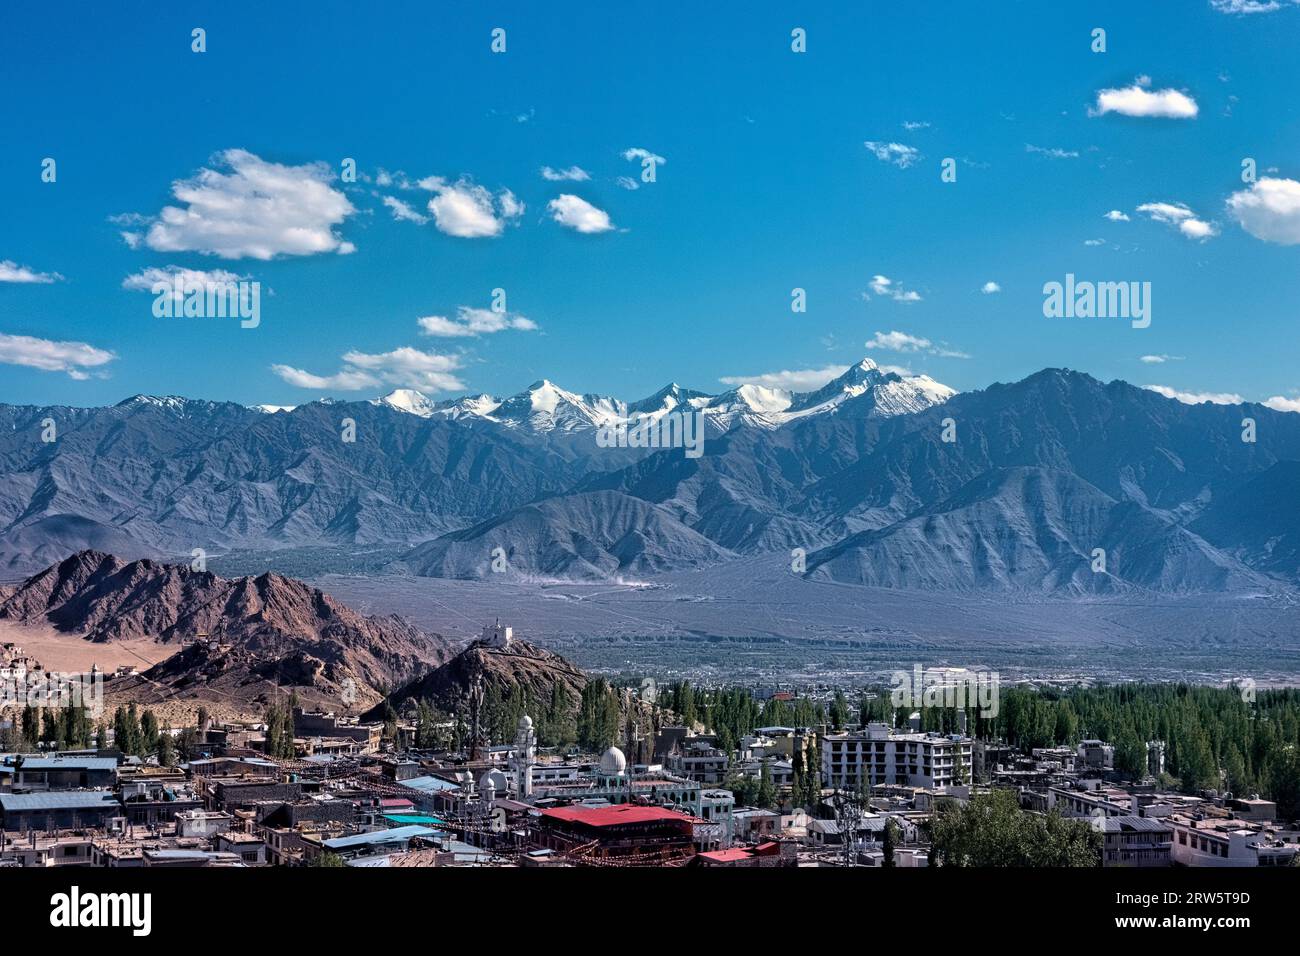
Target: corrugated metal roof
x,y
377,837
62,800
619,814
430,784
68,763
1133,823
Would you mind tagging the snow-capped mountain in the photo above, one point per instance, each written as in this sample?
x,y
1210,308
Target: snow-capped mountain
x,y
1044,471
545,406
893,394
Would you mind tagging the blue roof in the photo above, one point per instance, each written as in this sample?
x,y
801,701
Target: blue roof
x,y
69,763
379,837
430,784
185,854
59,800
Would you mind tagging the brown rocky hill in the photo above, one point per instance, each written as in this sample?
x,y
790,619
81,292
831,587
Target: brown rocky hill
x,y
262,632
534,669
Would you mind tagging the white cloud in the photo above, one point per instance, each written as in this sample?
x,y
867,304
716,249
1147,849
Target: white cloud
x,y
470,211
898,342
573,174
49,356
1137,100
1094,242
1196,398
1269,210
346,380
627,182
1281,403
569,210
1180,216
886,287
1054,152
1116,215
800,380
896,153
1160,359
404,367
1248,6
902,342
470,322
912,126
11,271
990,288
404,210
190,279
257,210
641,155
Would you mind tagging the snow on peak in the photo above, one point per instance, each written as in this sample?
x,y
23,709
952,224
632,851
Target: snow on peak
x,y
545,406
408,400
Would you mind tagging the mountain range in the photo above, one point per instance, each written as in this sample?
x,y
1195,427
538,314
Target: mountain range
x,y
1058,483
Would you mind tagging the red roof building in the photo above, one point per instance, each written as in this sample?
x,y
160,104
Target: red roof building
x,y
626,834
770,853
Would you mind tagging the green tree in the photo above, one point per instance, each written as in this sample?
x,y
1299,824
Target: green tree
x,y
992,831
166,749
597,716
889,841
766,797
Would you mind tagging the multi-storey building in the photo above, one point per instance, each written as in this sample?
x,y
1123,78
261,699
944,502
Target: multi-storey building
x,y
699,761
886,757
1226,842
1135,841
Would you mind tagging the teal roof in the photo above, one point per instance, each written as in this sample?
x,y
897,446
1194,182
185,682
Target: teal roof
x,y
379,837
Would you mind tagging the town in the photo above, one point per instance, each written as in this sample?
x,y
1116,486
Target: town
x,y
674,785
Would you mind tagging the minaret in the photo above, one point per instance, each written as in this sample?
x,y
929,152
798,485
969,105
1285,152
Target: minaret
x,y
524,757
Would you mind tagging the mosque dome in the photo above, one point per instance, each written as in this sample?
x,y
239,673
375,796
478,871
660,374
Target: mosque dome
x,y
612,762
525,722
494,779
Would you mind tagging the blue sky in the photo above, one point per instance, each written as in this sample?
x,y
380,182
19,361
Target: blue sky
x,y
767,184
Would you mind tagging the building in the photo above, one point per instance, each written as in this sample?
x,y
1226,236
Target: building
x,y
718,829
781,771
613,781
1155,758
496,636
379,841
1199,841
1253,809
155,802
1095,755
698,760
880,756
65,810
1135,841
769,854
45,851
250,849
202,823
328,725
59,772
1094,803
627,834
